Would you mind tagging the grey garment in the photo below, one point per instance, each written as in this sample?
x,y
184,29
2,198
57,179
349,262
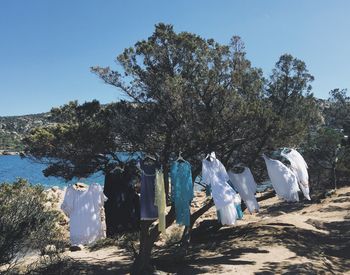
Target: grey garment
x,y
148,210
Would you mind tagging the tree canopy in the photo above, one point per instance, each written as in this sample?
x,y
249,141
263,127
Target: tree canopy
x,y
184,93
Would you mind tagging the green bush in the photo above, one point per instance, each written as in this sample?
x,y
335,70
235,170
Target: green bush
x,y
27,224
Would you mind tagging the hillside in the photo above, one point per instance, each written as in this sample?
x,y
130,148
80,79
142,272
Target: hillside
x,y
13,129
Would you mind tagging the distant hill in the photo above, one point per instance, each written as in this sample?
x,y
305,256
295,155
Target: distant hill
x,y
13,129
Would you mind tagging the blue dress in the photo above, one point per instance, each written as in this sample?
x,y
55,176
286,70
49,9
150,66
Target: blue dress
x,y
148,210
181,190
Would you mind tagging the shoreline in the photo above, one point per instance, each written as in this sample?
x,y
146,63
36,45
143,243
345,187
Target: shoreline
x,y
10,153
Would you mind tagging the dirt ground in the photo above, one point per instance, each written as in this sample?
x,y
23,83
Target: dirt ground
x,y
284,238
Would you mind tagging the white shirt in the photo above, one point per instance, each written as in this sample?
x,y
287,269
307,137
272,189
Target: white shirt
x,y
299,167
83,208
245,184
283,180
214,174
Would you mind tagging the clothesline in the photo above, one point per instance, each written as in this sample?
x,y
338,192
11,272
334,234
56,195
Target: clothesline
x,y
227,188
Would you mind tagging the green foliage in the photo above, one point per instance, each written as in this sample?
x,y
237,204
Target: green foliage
x,y
78,143
327,149
10,142
323,145
198,96
25,222
337,115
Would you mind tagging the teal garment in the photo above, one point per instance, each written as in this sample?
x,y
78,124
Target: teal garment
x,y
181,190
218,215
208,190
239,212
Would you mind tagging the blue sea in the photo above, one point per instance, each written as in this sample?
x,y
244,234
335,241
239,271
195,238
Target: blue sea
x,y
13,167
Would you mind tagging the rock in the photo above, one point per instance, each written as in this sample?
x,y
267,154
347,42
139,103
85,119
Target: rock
x,y
329,193
76,247
48,205
281,212
50,249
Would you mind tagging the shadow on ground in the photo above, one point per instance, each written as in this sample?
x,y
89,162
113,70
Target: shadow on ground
x,y
213,246
282,208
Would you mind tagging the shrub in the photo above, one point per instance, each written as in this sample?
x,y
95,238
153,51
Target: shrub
x,y
26,223
174,236
127,241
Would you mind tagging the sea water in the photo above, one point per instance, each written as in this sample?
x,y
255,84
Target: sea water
x,y
14,167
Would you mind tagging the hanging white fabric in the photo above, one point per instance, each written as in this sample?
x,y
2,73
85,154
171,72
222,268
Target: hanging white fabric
x,y
214,174
83,208
245,185
283,180
299,167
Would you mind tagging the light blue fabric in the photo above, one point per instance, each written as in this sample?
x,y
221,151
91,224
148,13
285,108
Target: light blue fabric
x,y
238,207
239,212
181,190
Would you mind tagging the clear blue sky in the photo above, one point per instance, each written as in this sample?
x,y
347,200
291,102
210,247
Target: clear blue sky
x,y
47,47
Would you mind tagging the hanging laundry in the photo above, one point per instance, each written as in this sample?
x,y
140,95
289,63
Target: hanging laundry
x,y
245,185
160,201
227,215
237,204
122,208
148,176
283,180
181,190
215,175
299,167
83,207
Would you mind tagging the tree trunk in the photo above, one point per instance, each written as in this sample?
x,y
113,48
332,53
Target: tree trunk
x,y
143,258
148,235
334,177
186,237
166,182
